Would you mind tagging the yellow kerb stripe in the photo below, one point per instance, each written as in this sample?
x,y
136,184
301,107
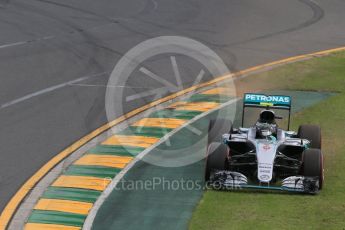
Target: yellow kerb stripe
x,y
64,206
170,123
34,226
84,182
220,91
104,160
194,106
136,141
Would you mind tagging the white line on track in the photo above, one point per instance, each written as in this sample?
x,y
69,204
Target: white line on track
x,y
25,42
47,90
110,86
12,44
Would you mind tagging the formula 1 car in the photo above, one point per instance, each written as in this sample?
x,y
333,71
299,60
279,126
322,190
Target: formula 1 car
x,y
264,156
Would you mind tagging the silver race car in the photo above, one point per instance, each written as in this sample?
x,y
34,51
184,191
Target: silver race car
x,y
263,155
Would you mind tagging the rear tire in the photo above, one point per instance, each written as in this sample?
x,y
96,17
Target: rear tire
x,y
311,133
313,164
216,158
217,128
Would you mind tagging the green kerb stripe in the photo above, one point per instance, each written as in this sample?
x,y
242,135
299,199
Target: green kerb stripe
x,y
171,113
146,131
74,194
52,217
94,171
209,98
116,150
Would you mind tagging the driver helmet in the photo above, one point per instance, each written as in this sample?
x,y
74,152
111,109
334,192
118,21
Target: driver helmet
x,y
266,125
267,116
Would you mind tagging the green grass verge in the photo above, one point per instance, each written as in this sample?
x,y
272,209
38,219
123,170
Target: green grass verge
x,y
250,210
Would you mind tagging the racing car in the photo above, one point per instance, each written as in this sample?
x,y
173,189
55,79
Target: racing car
x,y
263,155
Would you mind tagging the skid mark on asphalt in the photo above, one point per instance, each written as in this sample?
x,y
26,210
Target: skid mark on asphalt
x,y
318,14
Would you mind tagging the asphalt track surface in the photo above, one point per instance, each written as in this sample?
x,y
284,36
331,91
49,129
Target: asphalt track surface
x,y
56,57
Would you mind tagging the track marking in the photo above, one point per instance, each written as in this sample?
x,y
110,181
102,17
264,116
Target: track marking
x,y
104,160
194,106
84,182
135,141
64,206
12,44
170,123
15,201
219,91
36,226
25,42
47,90
110,86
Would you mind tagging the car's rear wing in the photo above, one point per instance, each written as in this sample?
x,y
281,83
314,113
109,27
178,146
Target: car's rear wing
x,y
267,101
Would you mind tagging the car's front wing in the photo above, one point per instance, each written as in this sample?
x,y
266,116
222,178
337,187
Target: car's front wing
x,y
229,180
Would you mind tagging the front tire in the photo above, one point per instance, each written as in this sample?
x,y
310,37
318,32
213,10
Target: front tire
x,y
216,158
217,128
311,133
313,165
